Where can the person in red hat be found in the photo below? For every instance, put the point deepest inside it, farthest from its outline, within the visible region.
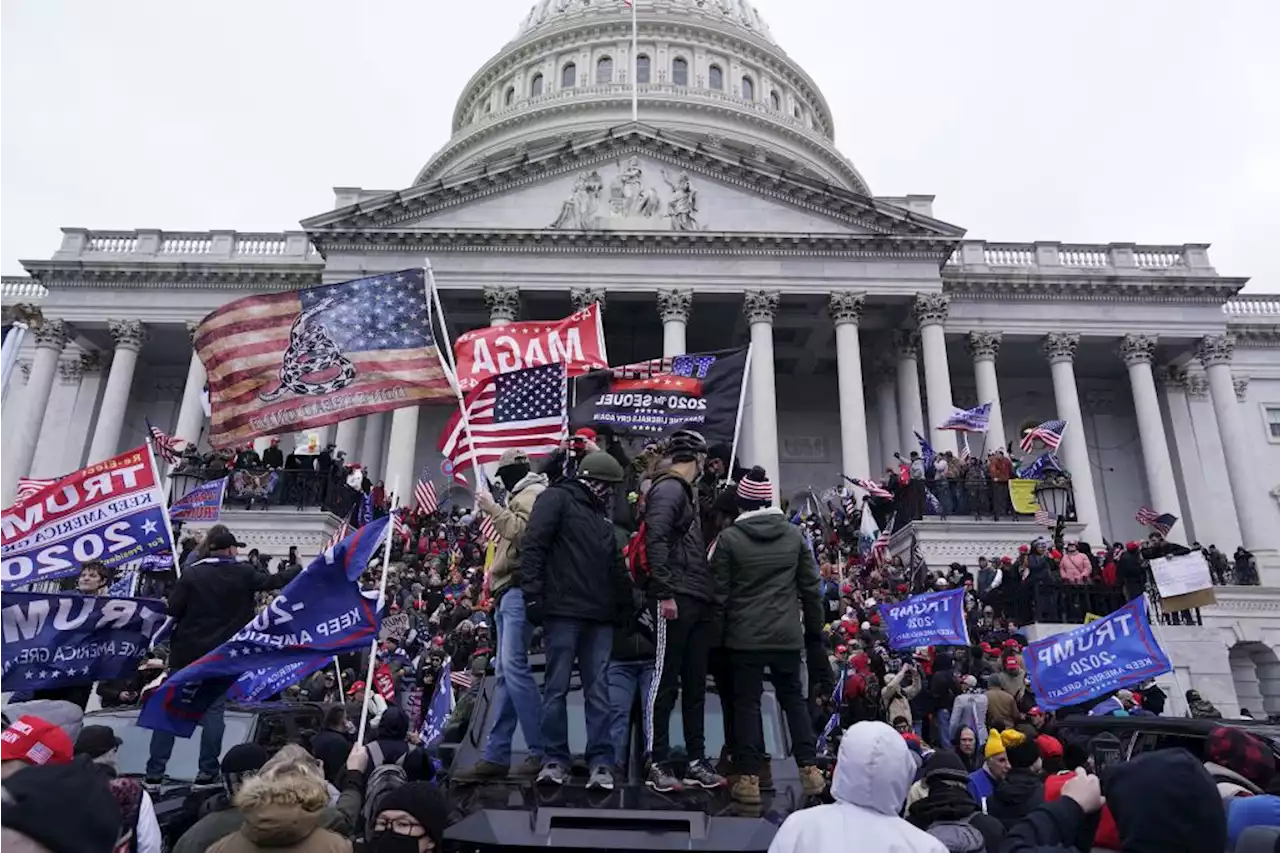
(30, 742)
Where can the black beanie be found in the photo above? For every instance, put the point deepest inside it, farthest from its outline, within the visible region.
(244, 758)
(40, 799)
(422, 800)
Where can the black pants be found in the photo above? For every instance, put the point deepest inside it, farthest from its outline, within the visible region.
(748, 683)
(684, 645)
(722, 673)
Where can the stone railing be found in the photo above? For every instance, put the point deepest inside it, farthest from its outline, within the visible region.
(1253, 305)
(1048, 257)
(21, 289)
(83, 244)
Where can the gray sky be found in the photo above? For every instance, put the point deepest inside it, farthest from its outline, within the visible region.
(1090, 121)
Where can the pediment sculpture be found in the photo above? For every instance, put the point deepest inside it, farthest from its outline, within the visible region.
(629, 205)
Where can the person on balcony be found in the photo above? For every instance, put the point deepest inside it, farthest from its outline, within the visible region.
(1000, 467)
(915, 487)
(273, 456)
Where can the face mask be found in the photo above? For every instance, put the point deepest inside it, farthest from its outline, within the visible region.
(388, 842)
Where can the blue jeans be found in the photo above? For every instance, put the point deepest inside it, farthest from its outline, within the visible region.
(590, 643)
(212, 726)
(517, 694)
(625, 678)
(942, 721)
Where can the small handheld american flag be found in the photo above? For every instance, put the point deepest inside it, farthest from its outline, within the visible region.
(424, 493)
(1049, 432)
(488, 532)
(1161, 523)
(166, 446)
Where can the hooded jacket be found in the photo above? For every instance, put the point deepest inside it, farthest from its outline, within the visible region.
(762, 566)
(870, 783)
(673, 541)
(282, 812)
(510, 522)
(1015, 795)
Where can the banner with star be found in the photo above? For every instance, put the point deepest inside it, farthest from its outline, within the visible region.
(112, 512)
(64, 639)
(320, 613)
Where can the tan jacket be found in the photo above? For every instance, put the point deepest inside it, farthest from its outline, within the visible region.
(896, 698)
(510, 522)
(1002, 707)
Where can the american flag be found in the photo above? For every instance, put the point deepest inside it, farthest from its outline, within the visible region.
(462, 680)
(524, 410)
(166, 446)
(343, 531)
(28, 486)
(1043, 518)
(880, 548)
(362, 346)
(1160, 522)
(488, 533)
(1049, 432)
(872, 488)
(424, 494)
(969, 420)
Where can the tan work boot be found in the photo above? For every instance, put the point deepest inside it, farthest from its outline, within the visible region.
(812, 780)
(746, 790)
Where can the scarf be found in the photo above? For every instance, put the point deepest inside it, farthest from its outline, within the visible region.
(601, 491)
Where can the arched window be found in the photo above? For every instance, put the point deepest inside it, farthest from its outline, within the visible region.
(604, 69)
(509, 98)
(748, 89)
(715, 77)
(642, 69)
(568, 76)
(796, 112)
(775, 101)
(679, 72)
(535, 86)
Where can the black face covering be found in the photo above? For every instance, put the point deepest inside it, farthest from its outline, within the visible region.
(512, 474)
(389, 842)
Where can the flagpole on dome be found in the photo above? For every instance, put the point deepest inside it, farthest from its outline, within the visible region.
(381, 604)
(433, 293)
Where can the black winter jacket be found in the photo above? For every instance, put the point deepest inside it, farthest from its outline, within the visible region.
(677, 554)
(571, 565)
(213, 600)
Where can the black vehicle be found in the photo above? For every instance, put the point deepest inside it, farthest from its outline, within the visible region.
(518, 815)
(1138, 734)
(177, 804)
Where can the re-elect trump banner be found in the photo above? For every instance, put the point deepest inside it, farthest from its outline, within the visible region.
(112, 511)
(57, 640)
(932, 619)
(319, 614)
(577, 341)
(1118, 650)
(203, 503)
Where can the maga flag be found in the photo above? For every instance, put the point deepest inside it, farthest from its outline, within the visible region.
(285, 362)
(700, 391)
(577, 341)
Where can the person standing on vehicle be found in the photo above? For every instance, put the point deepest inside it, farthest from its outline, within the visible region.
(680, 580)
(763, 570)
(212, 600)
(575, 585)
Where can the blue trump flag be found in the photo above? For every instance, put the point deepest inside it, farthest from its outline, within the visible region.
(203, 503)
(1118, 650)
(440, 708)
(969, 420)
(61, 639)
(932, 619)
(322, 612)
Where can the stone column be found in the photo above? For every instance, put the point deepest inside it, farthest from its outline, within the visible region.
(910, 410)
(983, 348)
(931, 313)
(84, 413)
(886, 413)
(50, 338)
(760, 307)
(674, 306)
(1137, 352)
(348, 438)
(129, 336)
(191, 419)
(50, 455)
(581, 297)
(1213, 463)
(403, 450)
(1060, 349)
(375, 428)
(1215, 354)
(503, 304)
(846, 312)
(1198, 523)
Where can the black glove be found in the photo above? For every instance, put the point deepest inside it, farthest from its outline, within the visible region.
(533, 611)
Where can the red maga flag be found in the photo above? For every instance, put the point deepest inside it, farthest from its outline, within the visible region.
(577, 341)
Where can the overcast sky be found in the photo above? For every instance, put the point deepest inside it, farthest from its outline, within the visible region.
(1090, 121)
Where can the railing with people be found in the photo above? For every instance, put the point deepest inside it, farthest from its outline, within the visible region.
(261, 488)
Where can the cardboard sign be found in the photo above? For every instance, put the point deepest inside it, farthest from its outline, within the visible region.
(1183, 582)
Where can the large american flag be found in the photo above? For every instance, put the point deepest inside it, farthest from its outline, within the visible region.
(28, 486)
(424, 494)
(166, 446)
(872, 488)
(524, 410)
(1160, 522)
(365, 346)
(1049, 432)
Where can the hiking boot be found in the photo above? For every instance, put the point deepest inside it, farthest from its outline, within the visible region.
(152, 784)
(601, 777)
(746, 790)
(206, 778)
(483, 770)
(812, 780)
(553, 774)
(528, 769)
(701, 775)
(662, 779)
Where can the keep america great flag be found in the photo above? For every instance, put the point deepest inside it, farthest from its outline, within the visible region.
(285, 362)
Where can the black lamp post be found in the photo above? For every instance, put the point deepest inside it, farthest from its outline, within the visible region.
(1053, 493)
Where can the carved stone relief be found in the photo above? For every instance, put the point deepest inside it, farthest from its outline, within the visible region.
(632, 202)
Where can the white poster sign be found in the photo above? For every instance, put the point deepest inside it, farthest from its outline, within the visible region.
(1181, 575)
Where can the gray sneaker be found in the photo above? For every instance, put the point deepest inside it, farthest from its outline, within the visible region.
(553, 774)
(601, 777)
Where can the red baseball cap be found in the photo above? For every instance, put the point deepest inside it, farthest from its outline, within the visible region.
(36, 741)
(586, 432)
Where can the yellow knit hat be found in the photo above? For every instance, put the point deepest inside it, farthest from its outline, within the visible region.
(995, 746)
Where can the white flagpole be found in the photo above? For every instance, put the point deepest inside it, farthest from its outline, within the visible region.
(635, 66)
(737, 424)
(452, 368)
(338, 671)
(168, 525)
(381, 607)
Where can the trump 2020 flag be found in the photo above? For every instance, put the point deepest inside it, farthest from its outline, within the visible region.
(287, 362)
(932, 619)
(319, 614)
(203, 503)
(969, 420)
(440, 708)
(1118, 650)
(112, 511)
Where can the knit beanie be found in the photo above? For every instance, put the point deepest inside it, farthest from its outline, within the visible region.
(422, 800)
(995, 746)
(1022, 750)
(38, 800)
(754, 490)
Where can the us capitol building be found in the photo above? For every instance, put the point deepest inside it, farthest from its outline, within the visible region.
(725, 214)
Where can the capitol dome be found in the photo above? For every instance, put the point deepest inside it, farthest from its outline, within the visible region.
(709, 71)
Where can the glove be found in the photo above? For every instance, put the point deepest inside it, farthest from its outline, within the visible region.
(533, 611)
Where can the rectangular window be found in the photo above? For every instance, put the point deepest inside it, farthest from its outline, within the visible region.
(1271, 421)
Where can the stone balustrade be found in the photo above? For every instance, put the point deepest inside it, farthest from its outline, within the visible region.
(1069, 258)
(1253, 305)
(15, 289)
(83, 244)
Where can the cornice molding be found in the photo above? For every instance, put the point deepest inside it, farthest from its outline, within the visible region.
(135, 274)
(1034, 287)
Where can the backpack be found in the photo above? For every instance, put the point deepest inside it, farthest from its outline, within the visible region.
(636, 554)
(383, 779)
(958, 836)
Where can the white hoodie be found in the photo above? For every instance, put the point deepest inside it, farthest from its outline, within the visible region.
(873, 773)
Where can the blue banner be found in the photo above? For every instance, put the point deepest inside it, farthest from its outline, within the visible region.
(321, 613)
(1118, 650)
(440, 708)
(203, 503)
(932, 619)
(61, 639)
